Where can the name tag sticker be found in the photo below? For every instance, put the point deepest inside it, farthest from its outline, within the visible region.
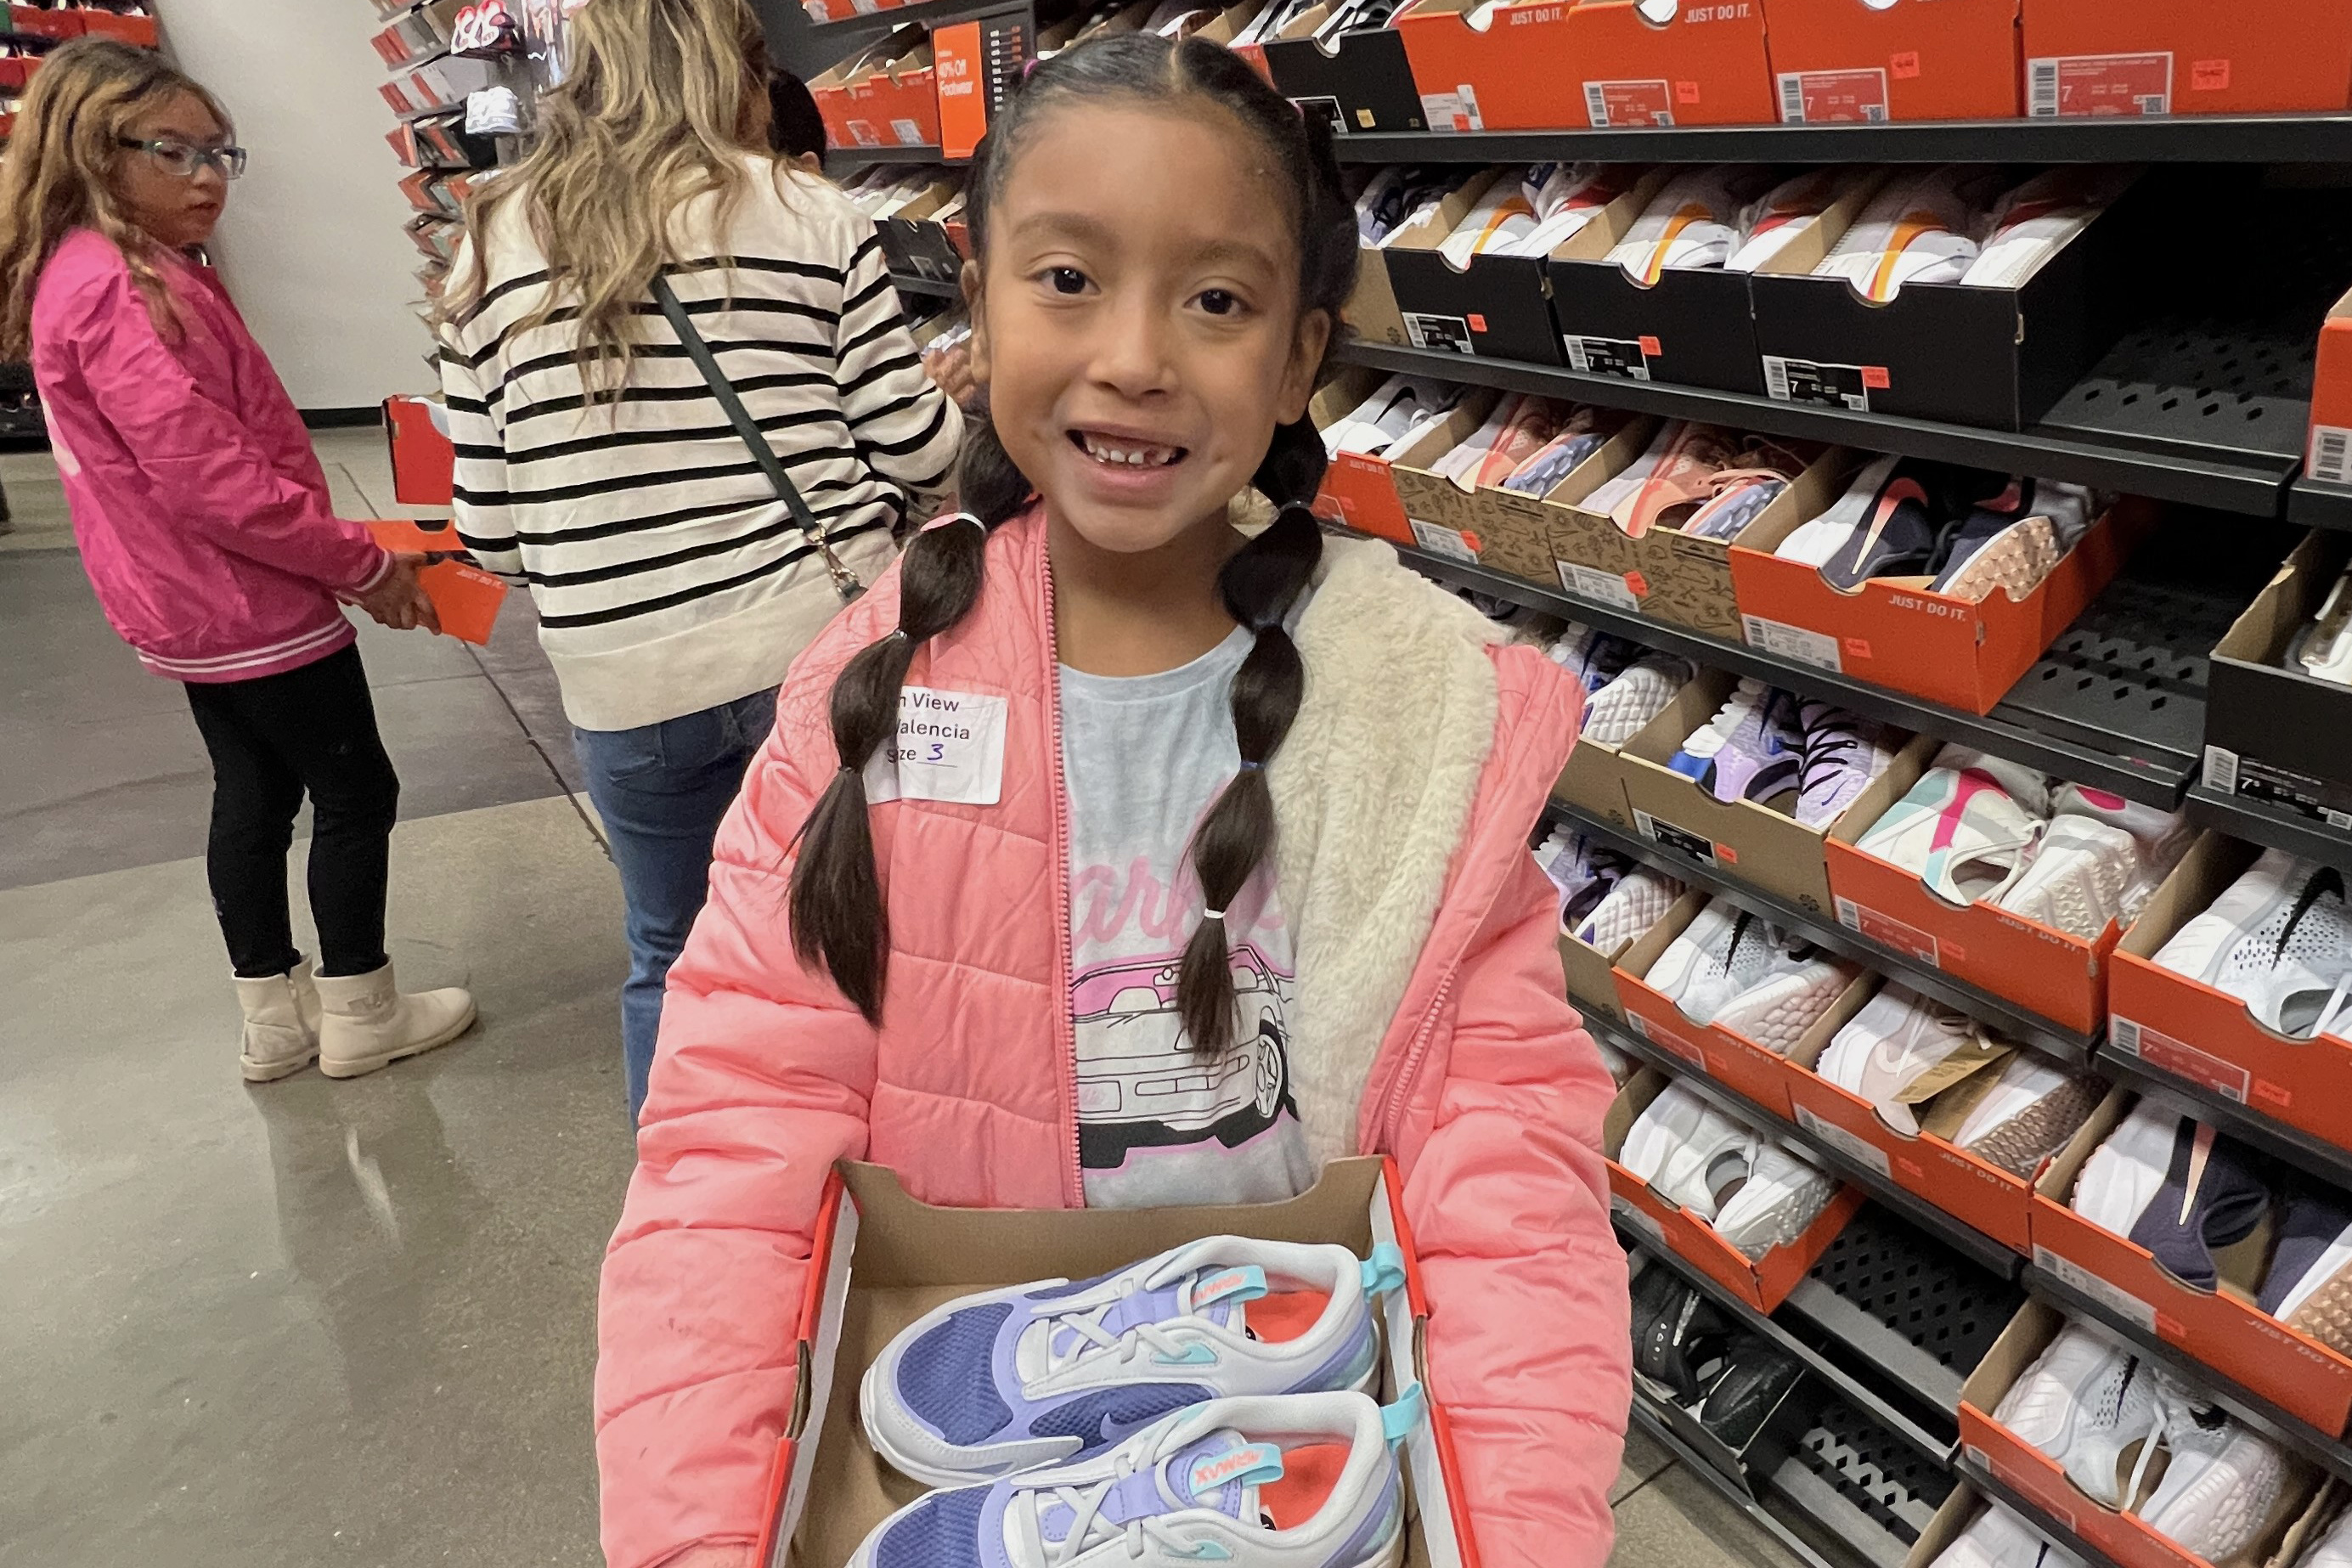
(949, 747)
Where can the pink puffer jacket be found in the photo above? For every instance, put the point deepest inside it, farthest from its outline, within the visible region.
(1482, 1083)
(198, 503)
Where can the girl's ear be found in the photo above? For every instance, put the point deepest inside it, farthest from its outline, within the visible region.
(1299, 374)
(973, 304)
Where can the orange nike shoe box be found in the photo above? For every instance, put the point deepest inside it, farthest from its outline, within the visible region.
(2329, 455)
(2061, 977)
(1731, 1060)
(139, 30)
(2043, 1481)
(1357, 491)
(1835, 61)
(1980, 1194)
(2221, 1328)
(1541, 65)
(36, 23)
(1763, 1283)
(1895, 632)
(897, 104)
(2185, 57)
(2193, 1031)
(423, 462)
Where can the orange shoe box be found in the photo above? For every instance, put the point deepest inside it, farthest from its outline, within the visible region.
(1733, 1060)
(1764, 1283)
(423, 462)
(1502, 530)
(2330, 453)
(34, 22)
(1706, 67)
(2185, 57)
(1837, 60)
(139, 30)
(2223, 1328)
(897, 104)
(1894, 633)
(1357, 491)
(1979, 1194)
(2178, 1025)
(2061, 977)
(2043, 1481)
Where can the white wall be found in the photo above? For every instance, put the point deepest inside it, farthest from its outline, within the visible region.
(311, 246)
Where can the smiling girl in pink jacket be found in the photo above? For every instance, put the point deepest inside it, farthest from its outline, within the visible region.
(1089, 776)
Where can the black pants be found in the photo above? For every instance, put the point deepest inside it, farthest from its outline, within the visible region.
(309, 730)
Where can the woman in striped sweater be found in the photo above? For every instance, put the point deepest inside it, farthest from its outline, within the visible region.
(596, 463)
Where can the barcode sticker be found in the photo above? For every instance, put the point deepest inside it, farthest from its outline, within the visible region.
(2041, 89)
(1817, 381)
(1609, 356)
(1596, 104)
(2159, 1049)
(910, 133)
(1449, 334)
(1858, 1149)
(1471, 119)
(1440, 110)
(1780, 638)
(1826, 98)
(863, 133)
(2331, 454)
(1776, 378)
(2113, 1297)
(1602, 587)
(1439, 539)
(1634, 103)
(2099, 84)
(1792, 98)
(2221, 770)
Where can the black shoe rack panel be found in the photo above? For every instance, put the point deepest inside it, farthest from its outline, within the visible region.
(1920, 1314)
(1857, 1481)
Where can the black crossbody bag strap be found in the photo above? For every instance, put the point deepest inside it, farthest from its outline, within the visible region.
(845, 581)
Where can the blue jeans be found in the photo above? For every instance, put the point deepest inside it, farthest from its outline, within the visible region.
(661, 790)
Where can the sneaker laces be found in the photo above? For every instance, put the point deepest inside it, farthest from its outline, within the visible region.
(1094, 1340)
(2325, 879)
(1823, 745)
(1090, 1530)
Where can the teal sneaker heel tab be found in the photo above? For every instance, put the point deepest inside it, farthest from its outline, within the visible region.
(1410, 1409)
(1384, 1270)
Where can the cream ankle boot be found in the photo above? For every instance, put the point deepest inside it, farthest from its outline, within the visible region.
(368, 1023)
(281, 1024)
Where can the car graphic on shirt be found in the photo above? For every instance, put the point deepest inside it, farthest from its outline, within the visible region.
(1143, 1085)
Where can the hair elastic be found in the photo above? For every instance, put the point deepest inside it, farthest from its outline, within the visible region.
(955, 517)
(1249, 767)
(901, 632)
(1216, 915)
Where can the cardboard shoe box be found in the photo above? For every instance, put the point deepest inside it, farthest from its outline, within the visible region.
(423, 462)
(897, 102)
(2042, 1480)
(1358, 490)
(1733, 1060)
(1539, 66)
(1767, 849)
(2222, 1328)
(1687, 579)
(1926, 1163)
(1376, 311)
(1763, 1283)
(2194, 1031)
(1895, 632)
(1954, 351)
(1855, 60)
(2185, 57)
(2061, 977)
(1504, 530)
(881, 1260)
(2275, 734)
(914, 242)
(2328, 451)
(1594, 782)
(1360, 81)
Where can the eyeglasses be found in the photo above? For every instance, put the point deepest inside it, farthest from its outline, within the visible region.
(178, 159)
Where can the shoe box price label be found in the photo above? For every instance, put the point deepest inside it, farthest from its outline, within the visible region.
(910, 134)
(2062, 85)
(1622, 357)
(1659, 831)
(1782, 640)
(1448, 334)
(1440, 539)
(1853, 1145)
(1667, 1041)
(2108, 1294)
(2330, 459)
(2181, 1058)
(1601, 587)
(1888, 931)
(1455, 110)
(1820, 98)
(2323, 800)
(1829, 385)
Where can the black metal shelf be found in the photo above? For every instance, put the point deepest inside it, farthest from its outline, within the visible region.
(2316, 504)
(2013, 1020)
(2192, 139)
(1660, 1432)
(2057, 1530)
(2154, 777)
(907, 283)
(1847, 1387)
(2294, 1146)
(2245, 482)
(936, 15)
(1962, 1239)
(859, 157)
(2288, 1431)
(2273, 828)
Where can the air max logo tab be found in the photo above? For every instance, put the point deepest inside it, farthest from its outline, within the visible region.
(1256, 1465)
(1246, 1284)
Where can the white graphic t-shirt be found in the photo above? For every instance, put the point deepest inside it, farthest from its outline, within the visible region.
(1143, 758)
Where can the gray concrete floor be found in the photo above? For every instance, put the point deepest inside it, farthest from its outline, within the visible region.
(314, 1323)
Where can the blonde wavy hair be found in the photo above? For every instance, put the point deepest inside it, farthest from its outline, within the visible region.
(655, 111)
(59, 171)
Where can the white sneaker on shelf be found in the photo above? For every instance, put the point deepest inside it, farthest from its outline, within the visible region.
(1997, 1538)
(1890, 1044)
(1783, 1194)
(2075, 881)
(2220, 1481)
(2126, 1172)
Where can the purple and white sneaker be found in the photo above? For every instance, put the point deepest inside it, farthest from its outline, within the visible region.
(1841, 756)
(1288, 1481)
(1046, 1374)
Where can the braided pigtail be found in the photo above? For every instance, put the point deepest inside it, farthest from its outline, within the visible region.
(838, 917)
(1261, 584)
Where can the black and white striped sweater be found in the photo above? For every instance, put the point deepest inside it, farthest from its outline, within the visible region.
(668, 577)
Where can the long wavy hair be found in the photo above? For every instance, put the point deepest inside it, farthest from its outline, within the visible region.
(59, 171)
(650, 116)
(838, 917)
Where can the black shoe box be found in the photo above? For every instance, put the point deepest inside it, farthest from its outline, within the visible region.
(1363, 83)
(1691, 327)
(919, 247)
(2274, 734)
(1998, 358)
